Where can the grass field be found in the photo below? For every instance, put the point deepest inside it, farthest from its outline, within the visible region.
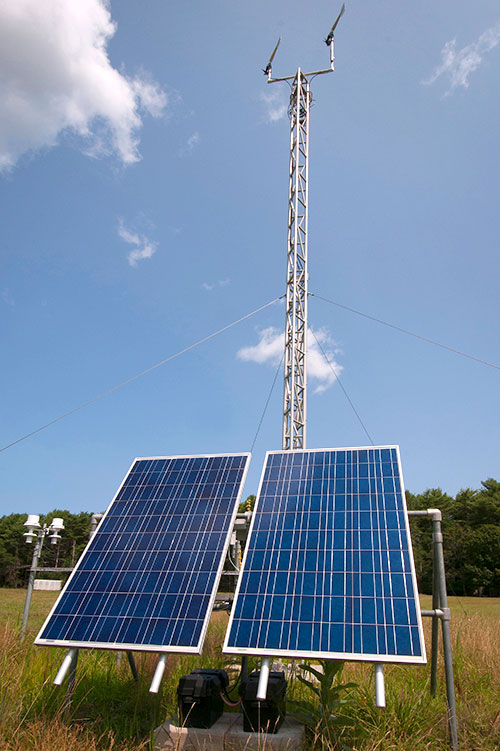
(110, 711)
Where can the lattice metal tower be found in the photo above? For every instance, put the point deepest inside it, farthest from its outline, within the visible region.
(295, 357)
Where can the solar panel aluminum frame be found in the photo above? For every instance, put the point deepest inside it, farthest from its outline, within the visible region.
(158, 648)
(318, 655)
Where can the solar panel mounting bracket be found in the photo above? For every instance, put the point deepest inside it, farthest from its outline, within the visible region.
(158, 675)
(265, 667)
(379, 685)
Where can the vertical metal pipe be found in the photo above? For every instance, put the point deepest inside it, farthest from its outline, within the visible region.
(435, 623)
(31, 581)
(437, 539)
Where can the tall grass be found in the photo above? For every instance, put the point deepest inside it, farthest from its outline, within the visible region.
(110, 711)
(412, 719)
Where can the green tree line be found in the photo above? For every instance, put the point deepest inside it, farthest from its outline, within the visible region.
(471, 534)
(471, 529)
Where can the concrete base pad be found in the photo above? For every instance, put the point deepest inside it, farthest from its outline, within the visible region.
(227, 734)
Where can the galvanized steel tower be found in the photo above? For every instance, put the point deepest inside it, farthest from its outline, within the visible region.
(295, 358)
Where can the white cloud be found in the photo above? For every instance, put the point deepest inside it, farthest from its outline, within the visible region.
(56, 78)
(457, 66)
(270, 349)
(276, 106)
(211, 286)
(191, 143)
(143, 248)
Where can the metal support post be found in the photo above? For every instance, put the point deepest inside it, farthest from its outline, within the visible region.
(70, 686)
(440, 611)
(437, 542)
(435, 625)
(72, 655)
(37, 533)
(31, 581)
(160, 669)
(133, 666)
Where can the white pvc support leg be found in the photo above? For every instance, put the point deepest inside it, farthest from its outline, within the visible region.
(160, 669)
(66, 664)
(379, 685)
(263, 678)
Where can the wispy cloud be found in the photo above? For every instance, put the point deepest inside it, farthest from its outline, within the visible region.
(458, 65)
(275, 105)
(269, 349)
(7, 297)
(209, 286)
(191, 143)
(56, 78)
(142, 246)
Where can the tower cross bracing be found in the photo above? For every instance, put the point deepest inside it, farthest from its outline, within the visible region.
(295, 368)
(295, 355)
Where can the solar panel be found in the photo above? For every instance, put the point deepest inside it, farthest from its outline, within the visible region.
(148, 578)
(328, 569)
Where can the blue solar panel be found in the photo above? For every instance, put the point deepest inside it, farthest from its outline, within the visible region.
(148, 578)
(328, 568)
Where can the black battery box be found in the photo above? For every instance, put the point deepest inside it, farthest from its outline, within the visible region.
(199, 698)
(263, 716)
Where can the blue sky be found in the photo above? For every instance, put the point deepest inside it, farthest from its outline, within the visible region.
(143, 193)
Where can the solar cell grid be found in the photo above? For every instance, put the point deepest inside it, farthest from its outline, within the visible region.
(148, 577)
(328, 568)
